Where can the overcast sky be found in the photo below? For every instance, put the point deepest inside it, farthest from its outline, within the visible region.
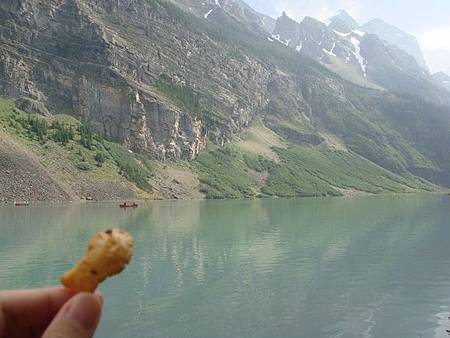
(428, 20)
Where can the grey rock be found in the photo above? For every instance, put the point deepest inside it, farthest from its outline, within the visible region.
(395, 36)
(357, 56)
(70, 56)
(442, 79)
(343, 22)
(32, 106)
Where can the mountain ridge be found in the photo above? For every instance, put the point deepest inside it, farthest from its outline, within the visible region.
(357, 56)
(342, 22)
(443, 79)
(395, 36)
(177, 87)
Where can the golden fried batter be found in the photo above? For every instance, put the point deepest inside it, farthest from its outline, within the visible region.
(108, 253)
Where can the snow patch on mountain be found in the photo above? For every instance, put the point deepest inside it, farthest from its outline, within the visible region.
(207, 14)
(331, 51)
(344, 35)
(284, 42)
(357, 45)
(358, 32)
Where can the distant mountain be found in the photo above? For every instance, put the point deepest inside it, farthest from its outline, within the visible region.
(443, 79)
(396, 37)
(362, 58)
(342, 22)
(339, 51)
(203, 82)
(235, 8)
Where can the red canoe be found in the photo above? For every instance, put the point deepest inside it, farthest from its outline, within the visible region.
(21, 204)
(126, 206)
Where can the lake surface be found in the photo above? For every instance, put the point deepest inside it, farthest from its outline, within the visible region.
(342, 267)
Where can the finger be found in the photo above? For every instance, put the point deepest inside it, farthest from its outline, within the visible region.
(26, 308)
(78, 318)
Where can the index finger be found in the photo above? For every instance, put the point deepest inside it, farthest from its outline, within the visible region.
(25, 308)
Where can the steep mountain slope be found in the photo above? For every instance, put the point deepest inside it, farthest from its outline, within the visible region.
(169, 84)
(47, 159)
(235, 8)
(56, 158)
(342, 22)
(24, 178)
(395, 36)
(362, 58)
(443, 79)
(68, 55)
(339, 51)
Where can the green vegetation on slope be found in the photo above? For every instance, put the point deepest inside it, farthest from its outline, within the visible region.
(184, 97)
(136, 171)
(384, 128)
(224, 173)
(300, 172)
(305, 171)
(189, 100)
(88, 152)
(429, 133)
(364, 120)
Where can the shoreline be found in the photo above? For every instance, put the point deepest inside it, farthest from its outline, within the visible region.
(93, 202)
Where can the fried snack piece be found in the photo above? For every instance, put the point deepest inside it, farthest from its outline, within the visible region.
(108, 253)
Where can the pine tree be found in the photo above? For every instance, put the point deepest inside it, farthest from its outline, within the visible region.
(87, 139)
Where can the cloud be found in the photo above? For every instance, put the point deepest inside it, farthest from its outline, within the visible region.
(436, 46)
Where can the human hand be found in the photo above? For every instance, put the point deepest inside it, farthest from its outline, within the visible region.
(49, 313)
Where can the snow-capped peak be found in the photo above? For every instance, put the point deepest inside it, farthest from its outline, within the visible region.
(342, 14)
(342, 22)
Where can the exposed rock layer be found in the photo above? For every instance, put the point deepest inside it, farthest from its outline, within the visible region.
(63, 54)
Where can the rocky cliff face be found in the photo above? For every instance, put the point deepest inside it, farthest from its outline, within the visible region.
(342, 22)
(66, 54)
(235, 8)
(395, 36)
(102, 62)
(442, 79)
(163, 77)
(363, 58)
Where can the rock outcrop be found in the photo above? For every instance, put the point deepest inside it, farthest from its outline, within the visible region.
(162, 77)
(398, 38)
(65, 54)
(23, 178)
(359, 56)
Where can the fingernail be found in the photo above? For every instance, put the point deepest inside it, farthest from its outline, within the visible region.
(100, 297)
(85, 309)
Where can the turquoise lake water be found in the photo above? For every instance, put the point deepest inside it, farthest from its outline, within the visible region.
(312, 268)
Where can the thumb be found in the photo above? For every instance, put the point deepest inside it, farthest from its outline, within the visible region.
(78, 318)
